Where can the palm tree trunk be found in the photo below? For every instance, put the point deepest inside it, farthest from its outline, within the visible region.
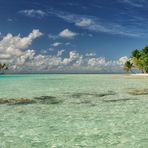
(145, 71)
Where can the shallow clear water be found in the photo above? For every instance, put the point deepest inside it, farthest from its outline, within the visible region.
(93, 111)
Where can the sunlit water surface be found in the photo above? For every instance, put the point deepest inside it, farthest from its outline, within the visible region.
(80, 111)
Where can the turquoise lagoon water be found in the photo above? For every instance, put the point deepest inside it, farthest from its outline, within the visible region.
(77, 111)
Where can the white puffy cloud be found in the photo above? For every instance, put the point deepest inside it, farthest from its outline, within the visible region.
(73, 56)
(123, 59)
(14, 50)
(14, 45)
(96, 61)
(66, 33)
(33, 13)
(17, 42)
(27, 55)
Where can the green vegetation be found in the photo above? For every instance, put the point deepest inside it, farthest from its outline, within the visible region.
(138, 60)
(3, 67)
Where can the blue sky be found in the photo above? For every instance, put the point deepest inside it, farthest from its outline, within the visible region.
(92, 30)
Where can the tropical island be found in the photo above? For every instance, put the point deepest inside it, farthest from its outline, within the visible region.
(138, 61)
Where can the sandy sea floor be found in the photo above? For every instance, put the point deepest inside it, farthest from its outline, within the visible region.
(73, 111)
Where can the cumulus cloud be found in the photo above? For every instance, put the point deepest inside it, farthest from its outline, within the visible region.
(66, 33)
(33, 13)
(14, 45)
(96, 61)
(123, 59)
(14, 50)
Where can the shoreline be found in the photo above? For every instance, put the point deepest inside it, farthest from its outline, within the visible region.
(140, 74)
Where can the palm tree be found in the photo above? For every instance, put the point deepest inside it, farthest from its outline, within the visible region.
(3, 67)
(138, 60)
(136, 53)
(128, 66)
(144, 59)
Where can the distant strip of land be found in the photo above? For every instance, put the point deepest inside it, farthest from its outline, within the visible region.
(140, 74)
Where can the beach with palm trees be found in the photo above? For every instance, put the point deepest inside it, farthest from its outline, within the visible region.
(138, 62)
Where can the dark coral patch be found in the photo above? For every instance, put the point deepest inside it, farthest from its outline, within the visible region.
(78, 95)
(48, 100)
(19, 101)
(138, 91)
(119, 100)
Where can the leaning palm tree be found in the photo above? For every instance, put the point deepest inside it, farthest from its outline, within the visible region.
(128, 66)
(3, 67)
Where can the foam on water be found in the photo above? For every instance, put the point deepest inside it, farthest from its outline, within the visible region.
(73, 111)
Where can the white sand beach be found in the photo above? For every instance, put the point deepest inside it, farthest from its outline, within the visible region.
(140, 74)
